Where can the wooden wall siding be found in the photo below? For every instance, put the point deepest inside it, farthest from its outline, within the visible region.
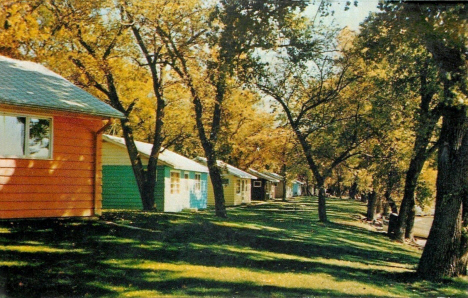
(259, 193)
(279, 190)
(61, 187)
(230, 196)
(116, 155)
(120, 190)
(160, 188)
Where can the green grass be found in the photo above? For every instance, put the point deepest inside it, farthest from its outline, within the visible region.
(269, 250)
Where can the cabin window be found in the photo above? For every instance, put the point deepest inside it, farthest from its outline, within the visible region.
(257, 183)
(175, 182)
(187, 181)
(238, 186)
(25, 136)
(197, 182)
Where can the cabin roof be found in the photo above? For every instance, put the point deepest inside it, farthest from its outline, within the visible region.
(29, 84)
(263, 176)
(230, 169)
(274, 176)
(280, 178)
(166, 156)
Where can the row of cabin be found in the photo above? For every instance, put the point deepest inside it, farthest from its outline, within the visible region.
(55, 161)
(182, 183)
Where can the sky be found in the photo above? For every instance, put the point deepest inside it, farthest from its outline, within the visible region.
(351, 18)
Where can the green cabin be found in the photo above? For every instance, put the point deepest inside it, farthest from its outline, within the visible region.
(181, 183)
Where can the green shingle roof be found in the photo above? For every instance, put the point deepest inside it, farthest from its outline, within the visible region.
(28, 84)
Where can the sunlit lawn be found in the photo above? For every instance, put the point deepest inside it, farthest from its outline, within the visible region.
(272, 250)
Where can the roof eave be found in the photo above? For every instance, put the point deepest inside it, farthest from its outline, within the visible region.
(117, 115)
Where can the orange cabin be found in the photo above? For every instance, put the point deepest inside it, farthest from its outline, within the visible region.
(50, 144)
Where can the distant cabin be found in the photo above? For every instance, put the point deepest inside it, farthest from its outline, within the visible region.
(264, 188)
(181, 183)
(293, 188)
(237, 184)
(297, 188)
(50, 142)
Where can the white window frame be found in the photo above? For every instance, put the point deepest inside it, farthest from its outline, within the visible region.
(238, 186)
(187, 181)
(26, 135)
(257, 183)
(197, 182)
(173, 185)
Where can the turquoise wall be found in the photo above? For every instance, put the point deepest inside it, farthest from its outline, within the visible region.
(199, 199)
(295, 189)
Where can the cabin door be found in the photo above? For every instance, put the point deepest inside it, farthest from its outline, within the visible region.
(244, 191)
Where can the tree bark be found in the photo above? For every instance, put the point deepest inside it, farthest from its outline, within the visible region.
(407, 204)
(285, 187)
(427, 121)
(353, 191)
(322, 204)
(149, 185)
(371, 205)
(208, 142)
(137, 166)
(364, 197)
(217, 182)
(135, 160)
(445, 253)
(391, 202)
(410, 224)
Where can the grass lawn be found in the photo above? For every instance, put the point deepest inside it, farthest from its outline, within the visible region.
(273, 249)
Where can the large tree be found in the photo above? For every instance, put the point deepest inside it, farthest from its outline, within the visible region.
(210, 51)
(445, 32)
(412, 81)
(89, 44)
(314, 81)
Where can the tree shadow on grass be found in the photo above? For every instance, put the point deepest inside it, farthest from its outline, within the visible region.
(63, 258)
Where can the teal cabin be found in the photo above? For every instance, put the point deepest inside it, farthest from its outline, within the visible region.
(297, 188)
(181, 183)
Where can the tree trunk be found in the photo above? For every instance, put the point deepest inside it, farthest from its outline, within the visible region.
(208, 143)
(307, 188)
(150, 185)
(410, 224)
(391, 202)
(364, 197)
(217, 182)
(285, 187)
(371, 205)
(135, 160)
(445, 253)
(407, 204)
(378, 205)
(353, 191)
(427, 121)
(322, 207)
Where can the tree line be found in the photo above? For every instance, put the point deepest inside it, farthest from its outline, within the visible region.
(261, 83)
